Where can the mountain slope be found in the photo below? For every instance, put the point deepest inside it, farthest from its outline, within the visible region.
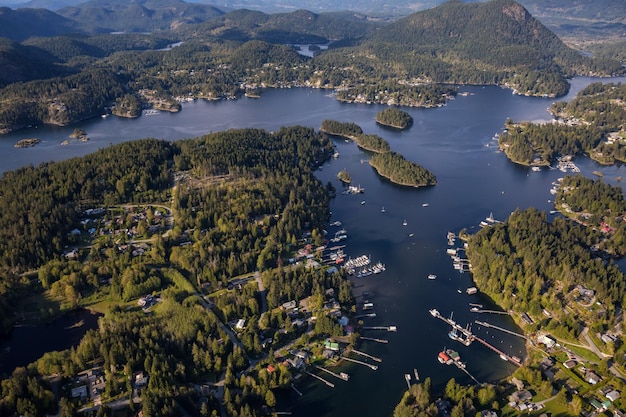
(25, 63)
(495, 42)
(21, 24)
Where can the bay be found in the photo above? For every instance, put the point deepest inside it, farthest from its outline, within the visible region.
(473, 180)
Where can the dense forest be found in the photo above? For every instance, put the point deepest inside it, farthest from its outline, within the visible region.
(528, 264)
(238, 201)
(394, 117)
(398, 170)
(592, 123)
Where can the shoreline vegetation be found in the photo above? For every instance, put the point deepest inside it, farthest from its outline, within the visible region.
(395, 118)
(390, 165)
(591, 124)
(27, 143)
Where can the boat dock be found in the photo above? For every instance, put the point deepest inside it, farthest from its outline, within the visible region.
(372, 367)
(478, 310)
(484, 323)
(374, 358)
(388, 328)
(371, 339)
(465, 336)
(341, 375)
(462, 368)
(330, 384)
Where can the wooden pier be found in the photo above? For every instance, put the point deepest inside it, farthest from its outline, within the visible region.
(388, 328)
(462, 368)
(330, 384)
(342, 376)
(371, 339)
(372, 367)
(477, 310)
(374, 358)
(484, 323)
(296, 390)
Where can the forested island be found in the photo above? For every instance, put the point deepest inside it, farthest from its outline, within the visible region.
(394, 117)
(387, 164)
(591, 123)
(398, 170)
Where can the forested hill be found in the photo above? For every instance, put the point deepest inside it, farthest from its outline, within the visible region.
(492, 42)
(24, 63)
(21, 24)
(138, 15)
(301, 26)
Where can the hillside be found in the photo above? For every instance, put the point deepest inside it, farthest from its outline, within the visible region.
(497, 42)
(25, 63)
(301, 26)
(21, 24)
(138, 15)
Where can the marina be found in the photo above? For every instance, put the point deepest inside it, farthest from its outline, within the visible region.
(464, 335)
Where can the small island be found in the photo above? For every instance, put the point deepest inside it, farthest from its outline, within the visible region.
(394, 117)
(398, 170)
(27, 143)
(79, 134)
(347, 130)
(344, 176)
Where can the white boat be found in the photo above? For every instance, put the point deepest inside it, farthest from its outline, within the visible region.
(404, 223)
(382, 210)
(362, 202)
(434, 312)
(432, 276)
(425, 205)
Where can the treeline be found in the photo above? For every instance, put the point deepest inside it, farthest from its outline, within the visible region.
(528, 264)
(373, 143)
(347, 129)
(459, 400)
(394, 117)
(540, 144)
(595, 204)
(401, 171)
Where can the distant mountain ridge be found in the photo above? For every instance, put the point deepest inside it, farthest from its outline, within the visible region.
(21, 24)
(138, 15)
(300, 26)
